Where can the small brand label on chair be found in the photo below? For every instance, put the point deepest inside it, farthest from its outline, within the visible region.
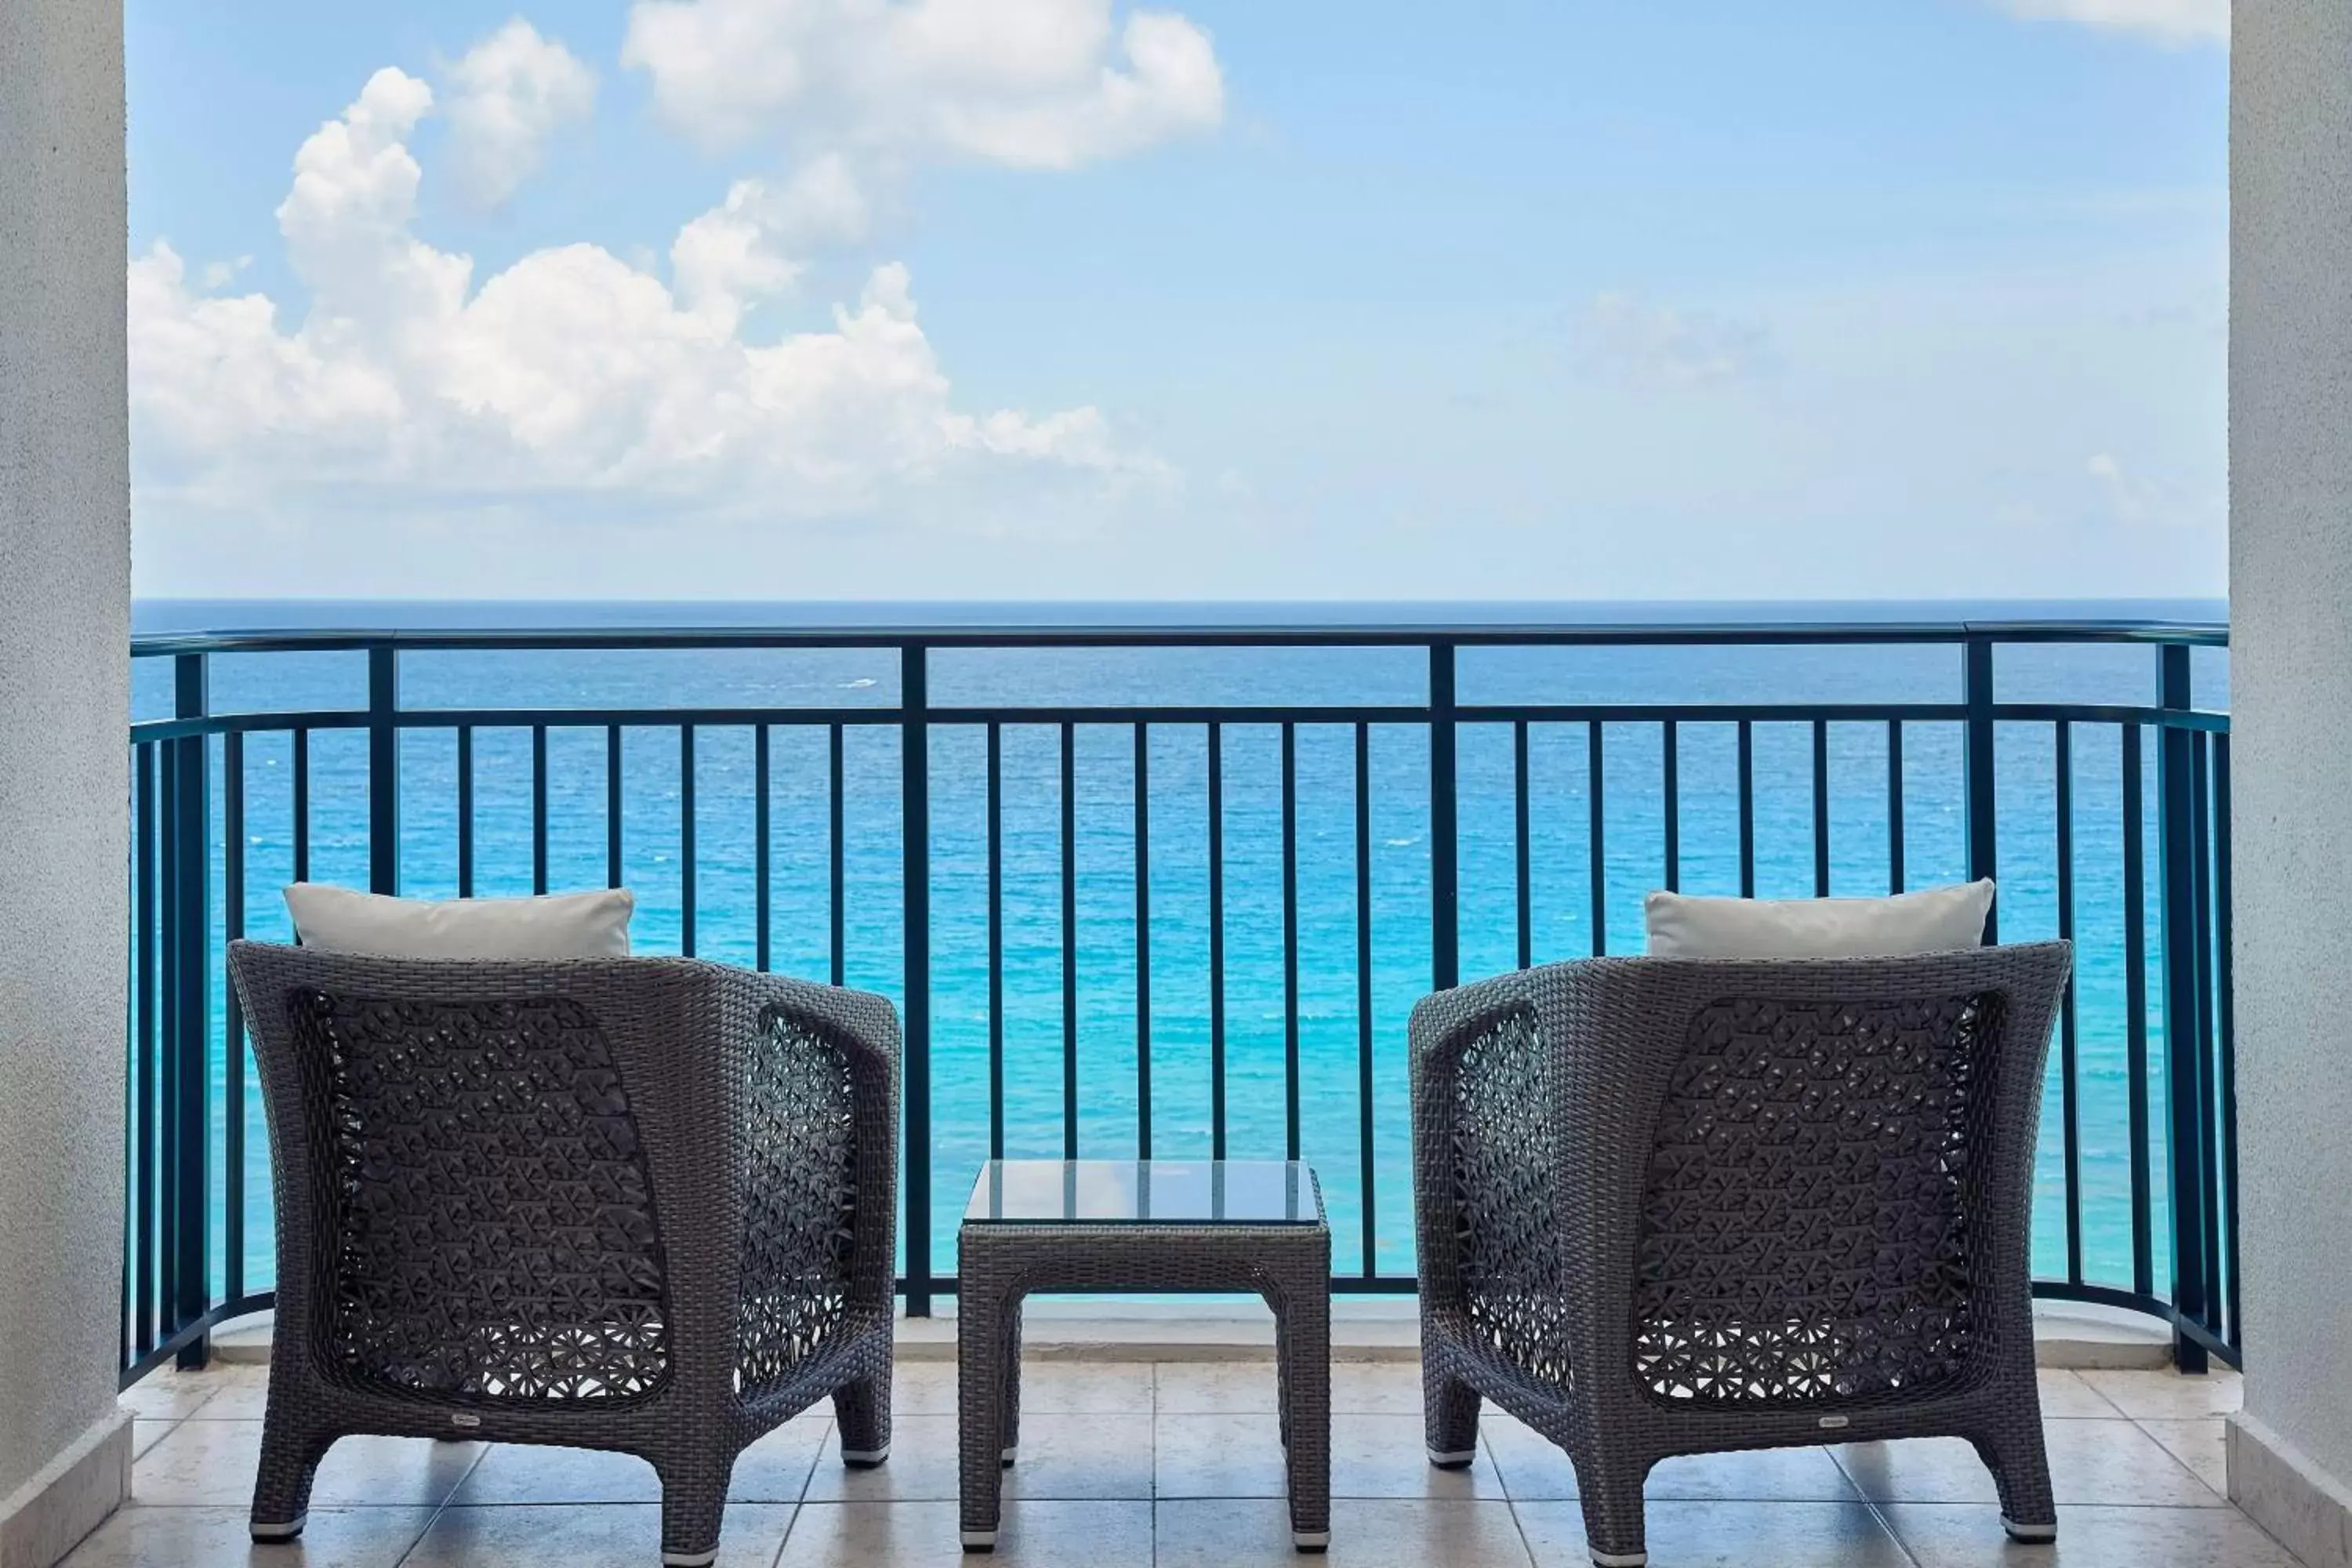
(461, 1419)
(1833, 1422)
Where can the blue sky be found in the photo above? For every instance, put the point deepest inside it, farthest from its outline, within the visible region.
(1243, 300)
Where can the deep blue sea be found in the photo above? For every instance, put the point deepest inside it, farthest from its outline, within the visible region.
(1560, 886)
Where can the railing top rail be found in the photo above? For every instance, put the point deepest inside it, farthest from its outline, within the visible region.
(1406, 634)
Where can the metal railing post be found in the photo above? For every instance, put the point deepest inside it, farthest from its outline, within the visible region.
(1976, 692)
(384, 769)
(2184, 1000)
(915, 789)
(190, 1013)
(1444, 866)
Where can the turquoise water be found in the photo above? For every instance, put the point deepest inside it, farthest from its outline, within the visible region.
(1561, 891)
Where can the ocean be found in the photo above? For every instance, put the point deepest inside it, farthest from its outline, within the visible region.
(1562, 903)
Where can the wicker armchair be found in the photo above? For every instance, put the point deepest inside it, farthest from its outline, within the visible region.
(1676, 1206)
(643, 1205)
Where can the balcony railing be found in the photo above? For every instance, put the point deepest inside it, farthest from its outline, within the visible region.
(1170, 891)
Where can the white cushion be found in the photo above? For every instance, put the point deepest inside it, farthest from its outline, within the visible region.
(564, 925)
(1936, 920)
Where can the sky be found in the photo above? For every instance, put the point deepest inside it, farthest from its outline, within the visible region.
(1532, 300)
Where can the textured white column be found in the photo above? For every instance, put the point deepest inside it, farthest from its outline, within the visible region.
(65, 597)
(2291, 606)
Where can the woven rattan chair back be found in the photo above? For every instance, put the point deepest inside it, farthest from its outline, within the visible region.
(1677, 1205)
(486, 1227)
(644, 1204)
(1823, 1179)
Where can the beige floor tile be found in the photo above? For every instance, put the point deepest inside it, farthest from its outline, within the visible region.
(1726, 1535)
(2142, 1493)
(1216, 1388)
(2092, 1462)
(1762, 1475)
(1388, 1456)
(2103, 1462)
(2065, 1397)
(2168, 1395)
(167, 1395)
(1370, 1533)
(214, 1461)
(1034, 1535)
(1082, 1457)
(239, 1394)
(923, 1388)
(1235, 1388)
(1228, 1455)
(1195, 1388)
(1204, 1455)
(1920, 1469)
(1533, 1468)
(532, 1473)
(1967, 1537)
(776, 1468)
(220, 1538)
(1085, 1387)
(588, 1535)
(1529, 1464)
(2201, 1444)
(1047, 1388)
(1375, 1388)
(921, 1467)
(1070, 1456)
(371, 1469)
(752, 1534)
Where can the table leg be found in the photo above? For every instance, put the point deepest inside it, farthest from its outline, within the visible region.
(981, 1394)
(1010, 1364)
(1281, 1376)
(1304, 1312)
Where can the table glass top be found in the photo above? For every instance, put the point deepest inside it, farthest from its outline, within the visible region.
(1144, 1191)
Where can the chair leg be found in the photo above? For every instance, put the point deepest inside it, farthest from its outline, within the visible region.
(2020, 1473)
(862, 1409)
(694, 1503)
(1450, 1410)
(1612, 1494)
(290, 1453)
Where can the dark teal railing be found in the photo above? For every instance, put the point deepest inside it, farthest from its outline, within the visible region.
(186, 1158)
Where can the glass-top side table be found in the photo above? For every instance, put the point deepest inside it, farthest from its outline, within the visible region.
(1131, 1226)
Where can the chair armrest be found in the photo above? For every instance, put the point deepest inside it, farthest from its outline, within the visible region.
(816, 1107)
(1490, 1194)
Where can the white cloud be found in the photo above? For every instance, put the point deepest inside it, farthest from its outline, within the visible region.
(508, 96)
(1627, 336)
(2171, 21)
(748, 248)
(2129, 499)
(727, 261)
(570, 373)
(858, 92)
(1030, 83)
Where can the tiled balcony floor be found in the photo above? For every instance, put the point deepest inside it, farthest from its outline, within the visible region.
(1132, 1465)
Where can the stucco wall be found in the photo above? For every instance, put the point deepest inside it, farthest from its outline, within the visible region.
(65, 595)
(2291, 681)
